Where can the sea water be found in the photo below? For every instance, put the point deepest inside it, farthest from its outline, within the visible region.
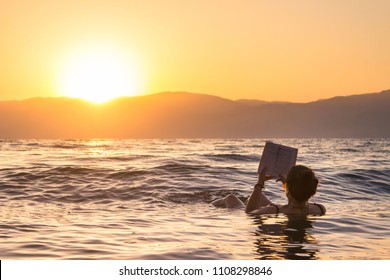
(150, 199)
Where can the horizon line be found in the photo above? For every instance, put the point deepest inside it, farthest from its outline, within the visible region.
(184, 92)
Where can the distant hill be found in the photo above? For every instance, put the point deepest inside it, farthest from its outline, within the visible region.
(189, 115)
(257, 103)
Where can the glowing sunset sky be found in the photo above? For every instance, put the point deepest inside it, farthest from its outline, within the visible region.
(299, 50)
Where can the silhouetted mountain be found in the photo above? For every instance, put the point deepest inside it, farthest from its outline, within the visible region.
(252, 102)
(257, 103)
(189, 115)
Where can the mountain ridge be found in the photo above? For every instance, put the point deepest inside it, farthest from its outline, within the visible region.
(193, 115)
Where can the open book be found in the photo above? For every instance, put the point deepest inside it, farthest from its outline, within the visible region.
(278, 159)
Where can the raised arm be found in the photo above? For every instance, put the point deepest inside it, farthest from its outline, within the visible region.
(258, 198)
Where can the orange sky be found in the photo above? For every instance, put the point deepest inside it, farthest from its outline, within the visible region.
(300, 50)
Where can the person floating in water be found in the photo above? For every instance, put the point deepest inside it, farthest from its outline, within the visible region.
(299, 186)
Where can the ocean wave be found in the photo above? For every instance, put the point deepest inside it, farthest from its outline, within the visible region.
(232, 157)
(151, 198)
(177, 167)
(128, 174)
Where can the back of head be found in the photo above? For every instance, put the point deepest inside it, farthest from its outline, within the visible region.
(301, 183)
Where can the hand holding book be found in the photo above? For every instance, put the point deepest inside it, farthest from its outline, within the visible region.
(262, 178)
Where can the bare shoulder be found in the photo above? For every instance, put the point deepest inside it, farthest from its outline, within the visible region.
(269, 209)
(317, 209)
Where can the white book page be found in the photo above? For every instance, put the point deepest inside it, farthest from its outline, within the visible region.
(278, 159)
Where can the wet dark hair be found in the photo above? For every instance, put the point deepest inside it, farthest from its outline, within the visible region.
(301, 183)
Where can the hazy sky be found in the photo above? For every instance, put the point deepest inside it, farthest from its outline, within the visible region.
(299, 50)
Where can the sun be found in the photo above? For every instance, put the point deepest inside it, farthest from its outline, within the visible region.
(99, 75)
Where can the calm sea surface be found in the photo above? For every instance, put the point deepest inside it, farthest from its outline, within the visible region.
(150, 199)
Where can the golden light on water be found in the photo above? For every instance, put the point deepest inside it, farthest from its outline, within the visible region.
(99, 75)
